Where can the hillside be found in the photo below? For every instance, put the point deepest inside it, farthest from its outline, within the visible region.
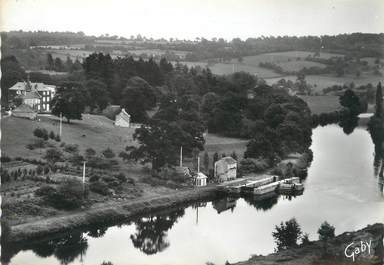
(97, 132)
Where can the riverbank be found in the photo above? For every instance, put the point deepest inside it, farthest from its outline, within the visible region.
(106, 213)
(313, 253)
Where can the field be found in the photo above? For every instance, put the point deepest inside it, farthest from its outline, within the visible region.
(97, 132)
(322, 104)
(289, 61)
(319, 82)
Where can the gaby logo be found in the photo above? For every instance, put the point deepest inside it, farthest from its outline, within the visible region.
(354, 249)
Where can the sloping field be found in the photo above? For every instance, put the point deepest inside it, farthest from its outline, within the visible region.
(97, 132)
(319, 82)
(322, 104)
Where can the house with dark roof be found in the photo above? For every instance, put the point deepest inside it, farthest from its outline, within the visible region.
(225, 169)
(37, 95)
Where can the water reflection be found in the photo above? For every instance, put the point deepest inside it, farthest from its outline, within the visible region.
(151, 232)
(349, 123)
(224, 204)
(264, 202)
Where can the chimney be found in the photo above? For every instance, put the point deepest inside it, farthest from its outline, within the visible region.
(198, 164)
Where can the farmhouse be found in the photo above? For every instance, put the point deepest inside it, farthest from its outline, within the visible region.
(225, 169)
(36, 95)
(123, 119)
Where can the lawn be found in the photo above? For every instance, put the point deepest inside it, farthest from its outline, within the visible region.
(221, 144)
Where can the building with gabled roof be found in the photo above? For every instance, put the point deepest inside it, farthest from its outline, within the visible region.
(123, 119)
(225, 169)
(37, 95)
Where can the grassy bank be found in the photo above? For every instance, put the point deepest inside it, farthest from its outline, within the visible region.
(108, 212)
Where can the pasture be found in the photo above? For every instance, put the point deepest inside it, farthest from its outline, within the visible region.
(97, 132)
(319, 82)
(322, 104)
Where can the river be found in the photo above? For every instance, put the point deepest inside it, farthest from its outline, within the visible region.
(342, 188)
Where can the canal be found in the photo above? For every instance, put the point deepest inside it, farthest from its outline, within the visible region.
(342, 187)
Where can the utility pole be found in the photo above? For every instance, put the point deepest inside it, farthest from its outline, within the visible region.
(61, 124)
(181, 156)
(84, 162)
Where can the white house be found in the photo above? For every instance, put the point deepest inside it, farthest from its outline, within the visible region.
(123, 119)
(225, 169)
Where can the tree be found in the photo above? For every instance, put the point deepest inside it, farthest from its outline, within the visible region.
(98, 94)
(69, 195)
(351, 101)
(206, 161)
(326, 232)
(259, 146)
(50, 62)
(53, 155)
(137, 98)
(287, 234)
(379, 101)
(69, 102)
(215, 158)
(12, 72)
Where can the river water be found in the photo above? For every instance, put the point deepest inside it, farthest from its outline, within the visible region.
(342, 188)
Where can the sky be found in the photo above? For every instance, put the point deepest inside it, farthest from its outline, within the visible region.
(188, 19)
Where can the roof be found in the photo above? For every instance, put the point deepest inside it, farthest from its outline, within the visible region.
(201, 176)
(23, 108)
(36, 86)
(228, 160)
(124, 115)
(31, 95)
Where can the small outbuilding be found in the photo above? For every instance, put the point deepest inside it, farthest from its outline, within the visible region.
(123, 119)
(201, 179)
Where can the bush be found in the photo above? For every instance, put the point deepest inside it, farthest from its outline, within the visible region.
(69, 195)
(57, 138)
(53, 155)
(41, 133)
(108, 153)
(90, 152)
(94, 178)
(52, 135)
(121, 177)
(5, 159)
(45, 190)
(100, 187)
(71, 148)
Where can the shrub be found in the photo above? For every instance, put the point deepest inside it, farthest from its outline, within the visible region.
(94, 178)
(5, 159)
(53, 155)
(41, 133)
(326, 231)
(71, 148)
(90, 152)
(46, 170)
(100, 187)
(39, 170)
(45, 190)
(69, 195)
(52, 135)
(121, 177)
(108, 153)
(57, 138)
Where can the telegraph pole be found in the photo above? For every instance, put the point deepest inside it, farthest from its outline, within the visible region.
(61, 124)
(181, 156)
(84, 162)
